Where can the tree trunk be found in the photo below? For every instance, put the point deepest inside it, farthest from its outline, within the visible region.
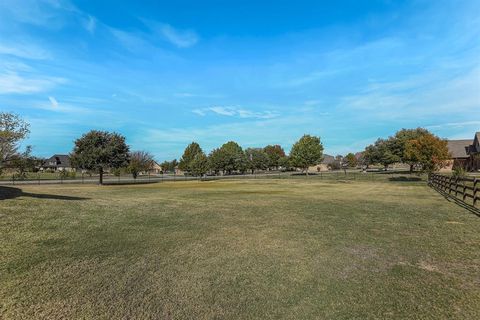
(306, 172)
(101, 176)
(411, 168)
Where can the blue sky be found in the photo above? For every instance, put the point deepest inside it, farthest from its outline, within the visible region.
(165, 73)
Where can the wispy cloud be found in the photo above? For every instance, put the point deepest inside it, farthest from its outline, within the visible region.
(235, 112)
(24, 50)
(180, 38)
(13, 83)
(90, 23)
(54, 102)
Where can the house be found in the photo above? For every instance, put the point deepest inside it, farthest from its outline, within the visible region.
(58, 162)
(324, 165)
(464, 154)
(156, 168)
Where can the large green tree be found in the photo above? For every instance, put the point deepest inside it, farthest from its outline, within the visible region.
(99, 151)
(140, 161)
(257, 159)
(188, 155)
(398, 144)
(274, 153)
(380, 153)
(228, 158)
(306, 152)
(199, 165)
(13, 129)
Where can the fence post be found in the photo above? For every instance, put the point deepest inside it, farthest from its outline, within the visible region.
(475, 191)
(456, 186)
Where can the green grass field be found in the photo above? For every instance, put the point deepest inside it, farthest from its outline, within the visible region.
(247, 249)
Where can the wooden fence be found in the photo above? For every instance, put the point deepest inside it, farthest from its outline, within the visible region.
(466, 189)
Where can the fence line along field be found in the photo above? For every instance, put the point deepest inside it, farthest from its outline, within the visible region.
(230, 249)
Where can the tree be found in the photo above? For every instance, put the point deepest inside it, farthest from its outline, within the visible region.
(257, 159)
(398, 144)
(228, 158)
(350, 160)
(100, 150)
(215, 160)
(284, 162)
(274, 153)
(24, 162)
(307, 151)
(428, 151)
(169, 166)
(188, 155)
(12, 130)
(140, 161)
(199, 165)
(380, 152)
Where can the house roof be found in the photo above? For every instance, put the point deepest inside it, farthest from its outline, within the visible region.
(459, 148)
(328, 159)
(61, 160)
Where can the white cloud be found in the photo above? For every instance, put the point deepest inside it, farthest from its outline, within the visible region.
(224, 111)
(235, 112)
(54, 102)
(12, 83)
(90, 23)
(180, 38)
(24, 50)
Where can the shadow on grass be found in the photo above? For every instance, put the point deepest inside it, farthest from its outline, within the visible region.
(451, 198)
(405, 179)
(11, 193)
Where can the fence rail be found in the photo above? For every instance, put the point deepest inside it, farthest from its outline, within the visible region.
(108, 179)
(466, 189)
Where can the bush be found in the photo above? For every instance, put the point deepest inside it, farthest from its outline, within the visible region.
(459, 172)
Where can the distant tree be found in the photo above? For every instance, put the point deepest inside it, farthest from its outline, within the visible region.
(215, 161)
(188, 155)
(428, 151)
(307, 151)
(350, 160)
(169, 166)
(140, 161)
(284, 162)
(24, 162)
(274, 153)
(228, 158)
(199, 165)
(380, 152)
(12, 130)
(257, 159)
(398, 144)
(99, 151)
(335, 165)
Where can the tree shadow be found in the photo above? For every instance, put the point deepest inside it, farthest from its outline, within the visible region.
(12, 193)
(405, 179)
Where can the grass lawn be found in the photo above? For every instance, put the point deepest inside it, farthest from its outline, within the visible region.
(263, 249)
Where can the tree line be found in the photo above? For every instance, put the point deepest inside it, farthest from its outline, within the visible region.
(230, 158)
(101, 151)
(419, 148)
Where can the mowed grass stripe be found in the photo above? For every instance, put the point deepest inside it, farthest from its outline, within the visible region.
(259, 249)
